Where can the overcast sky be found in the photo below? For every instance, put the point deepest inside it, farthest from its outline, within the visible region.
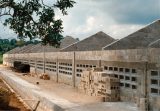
(117, 18)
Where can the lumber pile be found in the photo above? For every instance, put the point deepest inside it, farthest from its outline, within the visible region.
(96, 82)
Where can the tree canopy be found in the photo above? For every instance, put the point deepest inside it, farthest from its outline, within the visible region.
(6, 44)
(34, 18)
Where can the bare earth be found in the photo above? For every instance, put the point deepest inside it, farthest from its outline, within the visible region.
(62, 90)
(14, 103)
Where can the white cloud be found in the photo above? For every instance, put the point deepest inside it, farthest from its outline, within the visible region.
(119, 31)
(91, 16)
(114, 17)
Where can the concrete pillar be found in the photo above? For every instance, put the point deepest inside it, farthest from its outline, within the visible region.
(57, 70)
(14, 58)
(73, 69)
(36, 65)
(29, 59)
(44, 59)
(99, 63)
(144, 85)
(143, 104)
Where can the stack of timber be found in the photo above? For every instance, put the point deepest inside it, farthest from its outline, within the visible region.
(96, 82)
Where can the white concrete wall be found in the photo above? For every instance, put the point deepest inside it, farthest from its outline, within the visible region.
(134, 58)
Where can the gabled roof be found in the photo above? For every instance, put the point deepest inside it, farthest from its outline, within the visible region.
(39, 48)
(68, 40)
(139, 39)
(15, 50)
(94, 42)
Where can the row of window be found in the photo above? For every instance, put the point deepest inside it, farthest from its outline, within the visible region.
(32, 66)
(65, 68)
(65, 64)
(126, 70)
(51, 63)
(48, 69)
(154, 82)
(155, 91)
(65, 72)
(127, 85)
(154, 73)
(122, 77)
(79, 70)
(85, 65)
(51, 66)
(114, 87)
(78, 75)
(125, 81)
(32, 63)
(39, 61)
(40, 67)
(39, 64)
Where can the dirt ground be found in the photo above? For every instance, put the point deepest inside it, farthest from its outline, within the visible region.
(62, 90)
(14, 103)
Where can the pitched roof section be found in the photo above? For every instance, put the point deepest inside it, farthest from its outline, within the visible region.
(68, 40)
(139, 39)
(39, 48)
(155, 44)
(15, 50)
(94, 42)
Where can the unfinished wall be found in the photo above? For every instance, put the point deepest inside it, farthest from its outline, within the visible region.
(132, 67)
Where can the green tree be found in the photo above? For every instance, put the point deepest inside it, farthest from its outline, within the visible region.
(1, 41)
(1, 49)
(5, 41)
(13, 42)
(33, 18)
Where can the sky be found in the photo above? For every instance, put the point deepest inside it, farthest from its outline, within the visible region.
(117, 18)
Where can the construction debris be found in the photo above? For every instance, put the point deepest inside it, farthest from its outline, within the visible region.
(96, 82)
(44, 76)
